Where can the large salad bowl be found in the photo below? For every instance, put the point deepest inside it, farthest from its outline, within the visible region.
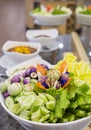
(83, 15)
(44, 17)
(51, 20)
(77, 124)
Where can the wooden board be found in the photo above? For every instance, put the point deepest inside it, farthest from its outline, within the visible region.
(78, 47)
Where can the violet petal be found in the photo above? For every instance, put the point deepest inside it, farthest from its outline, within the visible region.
(6, 94)
(63, 81)
(29, 71)
(45, 66)
(26, 80)
(15, 79)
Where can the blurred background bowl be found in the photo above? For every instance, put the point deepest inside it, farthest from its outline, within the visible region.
(47, 38)
(51, 19)
(20, 57)
(83, 19)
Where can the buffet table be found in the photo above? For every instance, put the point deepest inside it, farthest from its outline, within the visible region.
(71, 43)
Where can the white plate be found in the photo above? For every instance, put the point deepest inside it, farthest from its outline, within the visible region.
(7, 63)
(26, 64)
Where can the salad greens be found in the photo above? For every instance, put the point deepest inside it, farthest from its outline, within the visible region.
(49, 10)
(50, 95)
(86, 10)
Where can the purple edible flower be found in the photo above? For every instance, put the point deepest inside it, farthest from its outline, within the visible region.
(45, 85)
(67, 73)
(34, 75)
(58, 86)
(63, 81)
(64, 78)
(45, 66)
(26, 80)
(15, 79)
(33, 69)
(23, 74)
(6, 94)
(43, 79)
(29, 71)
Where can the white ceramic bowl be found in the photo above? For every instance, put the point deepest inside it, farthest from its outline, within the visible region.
(19, 56)
(51, 19)
(74, 125)
(83, 19)
(46, 37)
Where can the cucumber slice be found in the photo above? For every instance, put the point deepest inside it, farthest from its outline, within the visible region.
(25, 114)
(26, 101)
(38, 102)
(34, 109)
(15, 108)
(15, 89)
(44, 110)
(44, 118)
(50, 105)
(43, 97)
(36, 116)
(24, 93)
(9, 101)
(49, 97)
(4, 85)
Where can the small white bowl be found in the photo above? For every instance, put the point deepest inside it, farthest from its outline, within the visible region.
(47, 38)
(19, 57)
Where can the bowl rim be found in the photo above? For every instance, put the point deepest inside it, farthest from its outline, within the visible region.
(44, 31)
(36, 46)
(27, 63)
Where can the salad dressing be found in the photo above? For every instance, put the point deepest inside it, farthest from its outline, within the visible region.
(22, 49)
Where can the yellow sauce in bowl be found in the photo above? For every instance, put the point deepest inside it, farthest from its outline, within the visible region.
(22, 49)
